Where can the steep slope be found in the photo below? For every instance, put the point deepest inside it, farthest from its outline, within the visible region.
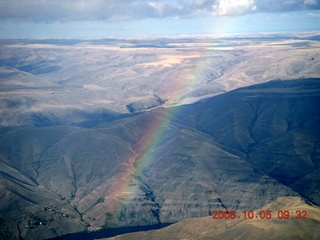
(274, 126)
(189, 174)
(101, 176)
(274, 228)
(30, 211)
(240, 150)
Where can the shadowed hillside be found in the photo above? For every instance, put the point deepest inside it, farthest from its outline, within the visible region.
(274, 125)
(240, 150)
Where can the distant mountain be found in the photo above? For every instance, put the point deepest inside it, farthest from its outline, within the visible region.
(46, 82)
(240, 150)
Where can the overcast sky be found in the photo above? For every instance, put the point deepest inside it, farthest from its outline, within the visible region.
(117, 18)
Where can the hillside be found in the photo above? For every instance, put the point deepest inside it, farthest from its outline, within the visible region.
(49, 82)
(275, 129)
(240, 150)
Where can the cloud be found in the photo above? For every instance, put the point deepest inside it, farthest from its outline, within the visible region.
(310, 2)
(53, 10)
(231, 7)
(286, 5)
(313, 15)
(115, 10)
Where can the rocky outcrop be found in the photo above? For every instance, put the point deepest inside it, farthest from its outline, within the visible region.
(145, 104)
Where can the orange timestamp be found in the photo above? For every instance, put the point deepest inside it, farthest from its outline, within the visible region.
(262, 214)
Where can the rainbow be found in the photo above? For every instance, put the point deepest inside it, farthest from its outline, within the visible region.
(156, 131)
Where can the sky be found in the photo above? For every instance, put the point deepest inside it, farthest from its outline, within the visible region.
(136, 18)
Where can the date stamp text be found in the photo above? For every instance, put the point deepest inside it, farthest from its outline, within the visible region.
(262, 214)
